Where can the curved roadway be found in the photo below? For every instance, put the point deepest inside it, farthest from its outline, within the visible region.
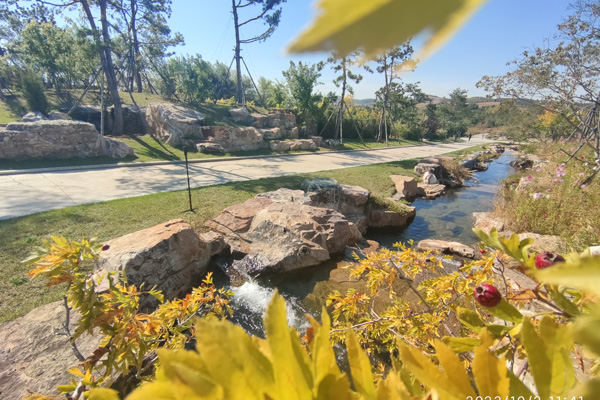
(30, 192)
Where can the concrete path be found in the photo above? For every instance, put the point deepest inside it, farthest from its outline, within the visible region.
(28, 193)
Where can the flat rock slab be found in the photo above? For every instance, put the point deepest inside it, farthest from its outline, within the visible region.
(34, 355)
(446, 247)
(430, 191)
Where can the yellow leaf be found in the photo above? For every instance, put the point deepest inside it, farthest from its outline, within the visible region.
(427, 372)
(392, 388)
(103, 394)
(76, 372)
(377, 25)
(582, 274)
(454, 369)
(360, 368)
(539, 363)
(490, 372)
(223, 346)
(293, 378)
(328, 380)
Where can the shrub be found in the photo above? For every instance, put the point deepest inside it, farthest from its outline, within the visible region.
(32, 88)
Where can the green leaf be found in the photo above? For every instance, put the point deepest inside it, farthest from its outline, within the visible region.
(563, 302)
(377, 25)
(490, 372)
(582, 274)
(360, 368)
(103, 394)
(511, 246)
(470, 319)
(539, 363)
(505, 311)
(461, 344)
(587, 333)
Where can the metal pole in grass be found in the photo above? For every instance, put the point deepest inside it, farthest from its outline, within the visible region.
(187, 171)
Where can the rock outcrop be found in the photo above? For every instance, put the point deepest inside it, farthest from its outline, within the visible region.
(35, 354)
(59, 139)
(170, 256)
(280, 232)
(486, 221)
(289, 229)
(233, 138)
(175, 125)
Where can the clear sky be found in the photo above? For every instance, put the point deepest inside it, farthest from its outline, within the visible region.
(498, 33)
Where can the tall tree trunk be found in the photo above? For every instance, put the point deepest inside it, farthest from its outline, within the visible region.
(340, 129)
(106, 59)
(111, 78)
(238, 68)
(136, 48)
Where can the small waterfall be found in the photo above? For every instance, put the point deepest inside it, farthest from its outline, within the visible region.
(251, 298)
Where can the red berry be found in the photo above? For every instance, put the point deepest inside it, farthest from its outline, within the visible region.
(482, 251)
(105, 247)
(547, 259)
(487, 295)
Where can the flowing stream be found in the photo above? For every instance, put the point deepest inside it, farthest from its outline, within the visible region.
(446, 218)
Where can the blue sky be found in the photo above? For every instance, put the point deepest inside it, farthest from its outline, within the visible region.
(498, 33)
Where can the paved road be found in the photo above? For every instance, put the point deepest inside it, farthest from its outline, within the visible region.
(23, 194)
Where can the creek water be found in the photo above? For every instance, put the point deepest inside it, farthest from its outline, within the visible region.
(450, 217)
(446, 218)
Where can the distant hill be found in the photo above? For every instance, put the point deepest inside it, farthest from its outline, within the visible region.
(364, 102)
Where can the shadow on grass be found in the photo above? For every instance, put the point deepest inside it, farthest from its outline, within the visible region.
(160, 151)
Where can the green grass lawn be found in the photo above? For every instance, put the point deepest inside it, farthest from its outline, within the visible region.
(18, 236)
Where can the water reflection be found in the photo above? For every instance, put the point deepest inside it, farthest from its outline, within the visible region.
(450, 217)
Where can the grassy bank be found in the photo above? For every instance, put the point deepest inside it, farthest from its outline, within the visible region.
(18, 294)
(558, 198)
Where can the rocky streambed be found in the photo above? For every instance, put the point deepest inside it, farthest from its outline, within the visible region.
(289, 240)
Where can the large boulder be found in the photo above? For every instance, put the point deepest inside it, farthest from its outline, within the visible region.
(241, 115)
(170, 256)
(174, 125)
(235, 221)
(303, 144)
(326, 192)
(289, 236)
(233, 138)
(380, 218)
(406, 187)
(280, 145)
(58, 139)
(35, 354)
(281, 231)
(434, 168)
